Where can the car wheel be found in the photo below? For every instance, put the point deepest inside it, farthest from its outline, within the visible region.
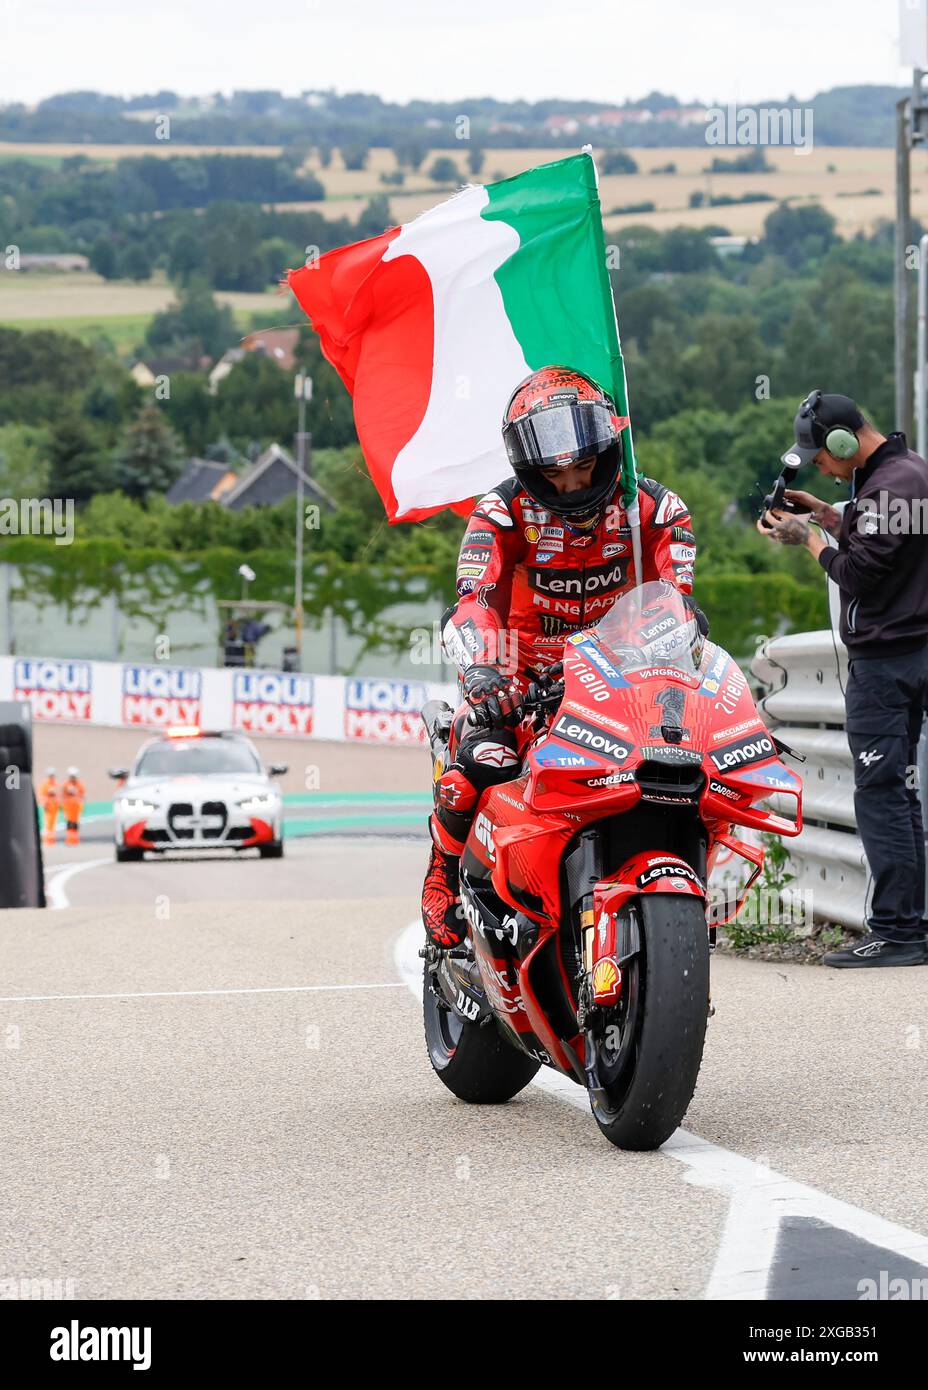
(275, 850)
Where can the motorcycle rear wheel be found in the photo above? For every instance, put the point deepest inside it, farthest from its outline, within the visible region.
(476, 1064)
(648, 1097)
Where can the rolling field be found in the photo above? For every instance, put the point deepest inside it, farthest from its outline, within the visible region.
(86, 305)
(854, 185)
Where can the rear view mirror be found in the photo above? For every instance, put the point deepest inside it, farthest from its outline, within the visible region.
(117, 773)
(278, 769)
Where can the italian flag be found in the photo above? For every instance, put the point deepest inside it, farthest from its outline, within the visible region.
(432, 325)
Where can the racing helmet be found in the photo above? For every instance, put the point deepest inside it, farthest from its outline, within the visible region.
(557, 416)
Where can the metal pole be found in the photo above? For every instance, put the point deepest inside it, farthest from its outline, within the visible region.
(303, 387)
(298, 580)
(903, 362)
(921, 404)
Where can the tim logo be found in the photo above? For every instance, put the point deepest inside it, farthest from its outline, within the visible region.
(385, 711)
(157, 696)
(268, 702)
(54, 689)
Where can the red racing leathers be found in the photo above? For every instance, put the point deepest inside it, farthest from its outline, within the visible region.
(527, 580)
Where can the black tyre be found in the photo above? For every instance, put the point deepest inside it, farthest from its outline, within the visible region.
(275, 850)
(128, 855)
(476, 1064)
(648, 1070)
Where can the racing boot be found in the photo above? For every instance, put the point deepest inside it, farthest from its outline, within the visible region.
(442, 914)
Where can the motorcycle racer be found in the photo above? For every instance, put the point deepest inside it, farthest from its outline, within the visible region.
(545, 554)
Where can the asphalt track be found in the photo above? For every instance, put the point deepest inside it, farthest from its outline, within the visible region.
(215, 1087)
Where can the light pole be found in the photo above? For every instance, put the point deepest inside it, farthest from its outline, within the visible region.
(248, 576)
(303, 390)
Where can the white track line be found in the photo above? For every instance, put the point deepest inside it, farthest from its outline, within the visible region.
(191, 993)
(55, 895)
(759, 1197)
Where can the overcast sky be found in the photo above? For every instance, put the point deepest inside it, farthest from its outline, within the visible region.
(605, 50)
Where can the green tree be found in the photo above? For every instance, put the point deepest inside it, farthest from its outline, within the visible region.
(410, 153)
(195, 325)
(23, 461)
(355, 156)
(103, 258)
(476, 159)
(149, 458)
(618, 162)
(134, 263)
(77, 467)
(444, 170)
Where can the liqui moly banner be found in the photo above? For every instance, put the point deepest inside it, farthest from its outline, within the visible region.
(56, 690)
(158, 696)
(383, 711)
(266, 704)
(271, 702)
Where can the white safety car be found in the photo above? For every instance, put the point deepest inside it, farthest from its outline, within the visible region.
(191, 790)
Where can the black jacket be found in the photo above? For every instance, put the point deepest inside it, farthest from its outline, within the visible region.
(881, 564)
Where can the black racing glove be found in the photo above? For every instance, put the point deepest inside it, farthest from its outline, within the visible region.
(492, 695)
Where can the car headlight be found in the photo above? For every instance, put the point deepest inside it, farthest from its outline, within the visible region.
(253, 804)
(134, 806)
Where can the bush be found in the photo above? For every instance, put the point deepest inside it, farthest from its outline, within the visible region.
(444, 170)
(618, 162)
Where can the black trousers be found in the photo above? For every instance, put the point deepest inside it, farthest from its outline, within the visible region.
(886, 700)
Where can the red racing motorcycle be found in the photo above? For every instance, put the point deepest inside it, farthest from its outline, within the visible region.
(584, 879)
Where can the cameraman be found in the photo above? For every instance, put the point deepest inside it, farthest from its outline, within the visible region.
(881, 570)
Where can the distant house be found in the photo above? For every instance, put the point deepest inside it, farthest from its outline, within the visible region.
(146, 371)
(561, 125)
(202, 481)
(684, 115)
(279, 344)
(54, 262)
(271, 479)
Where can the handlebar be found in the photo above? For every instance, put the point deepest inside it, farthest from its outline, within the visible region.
(540, 695)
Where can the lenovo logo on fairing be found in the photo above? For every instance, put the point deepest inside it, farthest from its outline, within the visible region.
(740, 754)
(576, 731)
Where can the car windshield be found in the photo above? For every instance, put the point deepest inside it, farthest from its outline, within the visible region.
(650, 626)
(196, 757)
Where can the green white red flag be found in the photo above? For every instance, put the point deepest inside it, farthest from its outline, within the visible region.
(432, 325)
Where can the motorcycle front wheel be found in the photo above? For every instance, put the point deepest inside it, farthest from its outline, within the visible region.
(476, 1063)
(649, 1053)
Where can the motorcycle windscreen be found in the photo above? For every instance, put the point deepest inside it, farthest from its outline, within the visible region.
(651, 626)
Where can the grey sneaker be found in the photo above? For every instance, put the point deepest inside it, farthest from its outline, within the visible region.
(872, 951)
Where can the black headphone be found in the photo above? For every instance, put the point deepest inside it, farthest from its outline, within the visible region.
(841, 442)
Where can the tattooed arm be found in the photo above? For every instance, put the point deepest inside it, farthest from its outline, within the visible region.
(791, 530)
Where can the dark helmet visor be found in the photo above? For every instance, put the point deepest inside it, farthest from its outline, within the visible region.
(560, 433)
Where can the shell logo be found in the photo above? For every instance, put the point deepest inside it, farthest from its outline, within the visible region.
(607, 978)
(532, 533)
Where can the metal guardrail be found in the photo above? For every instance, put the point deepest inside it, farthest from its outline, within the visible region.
(804, 677)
